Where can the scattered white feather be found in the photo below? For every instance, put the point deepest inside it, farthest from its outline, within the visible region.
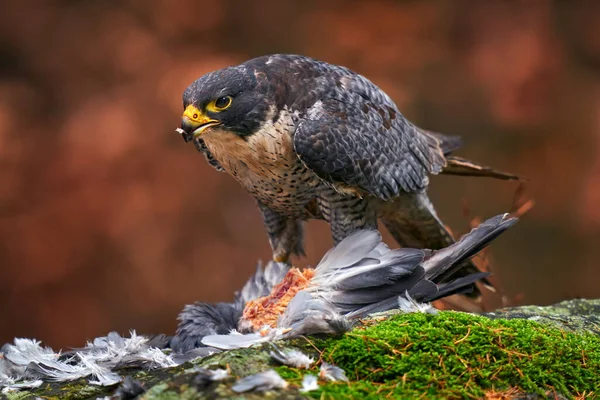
(236, 340)
(292, 358)
(212, 375)
(25, 362)
(103, 375)
(260, 382)
(115, 351)
(309, 383)
(25, 351)
(14, 387)
(407, 304)
(219, 374)
(61, 371)
(330, 372)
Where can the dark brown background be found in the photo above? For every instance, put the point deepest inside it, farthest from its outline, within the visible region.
(109, 221)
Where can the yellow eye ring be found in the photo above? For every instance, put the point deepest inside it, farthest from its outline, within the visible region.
(220, 104)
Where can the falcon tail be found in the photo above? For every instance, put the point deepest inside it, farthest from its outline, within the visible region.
(461, 166)
(464, 167)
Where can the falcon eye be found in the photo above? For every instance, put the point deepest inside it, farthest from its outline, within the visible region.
(223, 102)
(220, 104)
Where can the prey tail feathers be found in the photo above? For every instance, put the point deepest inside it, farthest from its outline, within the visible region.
(413, 222)
(448, 263)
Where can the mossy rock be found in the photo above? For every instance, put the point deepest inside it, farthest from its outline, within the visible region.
(449, 355)
(571, 315)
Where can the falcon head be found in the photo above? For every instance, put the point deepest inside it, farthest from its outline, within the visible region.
(229, 99)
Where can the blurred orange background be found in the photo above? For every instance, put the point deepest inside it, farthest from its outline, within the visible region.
(109, 221)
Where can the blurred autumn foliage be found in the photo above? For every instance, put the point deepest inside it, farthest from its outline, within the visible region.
(108, 221)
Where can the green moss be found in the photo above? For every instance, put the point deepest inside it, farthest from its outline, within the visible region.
(461, 355)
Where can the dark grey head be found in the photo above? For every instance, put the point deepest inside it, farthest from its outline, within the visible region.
(229, 98)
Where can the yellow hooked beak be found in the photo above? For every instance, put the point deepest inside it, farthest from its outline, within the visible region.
(194, 122)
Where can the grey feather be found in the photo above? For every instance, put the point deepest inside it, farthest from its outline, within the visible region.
(309, 314)
(360, 312)
(235, 340)
(332, 373)
(374, 295)
(131, 388)
(201, 319)
(376, 273)
(291, 357)
(442, 263)
(260, 382)
(424, 289)
(460, 285)
(194, 354)
(352, 249)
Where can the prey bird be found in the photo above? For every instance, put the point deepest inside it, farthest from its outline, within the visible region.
(312, 140)
(358, 277)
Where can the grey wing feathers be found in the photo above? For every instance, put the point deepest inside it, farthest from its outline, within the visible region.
(352, 142)
(460, 285)
(351, 250)
(349, 299)
(423, 275)
(442, 263)
(362, 260)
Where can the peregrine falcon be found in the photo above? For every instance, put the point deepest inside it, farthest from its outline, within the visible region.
(312, 140)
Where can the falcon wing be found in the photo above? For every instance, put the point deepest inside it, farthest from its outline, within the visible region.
(352, 142)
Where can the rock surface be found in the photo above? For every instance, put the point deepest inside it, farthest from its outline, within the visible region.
(571, 315)
(551, 351)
